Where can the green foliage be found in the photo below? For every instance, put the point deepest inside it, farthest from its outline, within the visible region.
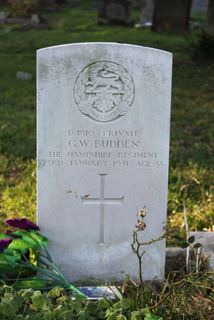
(202, 45)
(149, 316)
(194, 295)
(23, 252)
(191, 188)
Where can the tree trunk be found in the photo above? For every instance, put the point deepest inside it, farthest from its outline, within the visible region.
(171, 15)
(210, 17)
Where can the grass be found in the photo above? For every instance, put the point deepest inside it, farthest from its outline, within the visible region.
(192, 143)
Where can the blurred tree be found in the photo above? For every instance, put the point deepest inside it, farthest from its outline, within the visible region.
(210, 17)
(171, 15)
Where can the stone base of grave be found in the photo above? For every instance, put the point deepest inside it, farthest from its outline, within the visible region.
(207, 241)
(36, 21)
(176, 257)
(175, 260)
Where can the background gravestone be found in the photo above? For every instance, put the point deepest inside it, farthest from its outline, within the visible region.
(115, 12)
(146, 14)
(199, 5)
(103, 143)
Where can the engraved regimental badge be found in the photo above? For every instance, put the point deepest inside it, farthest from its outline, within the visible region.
(104, 91)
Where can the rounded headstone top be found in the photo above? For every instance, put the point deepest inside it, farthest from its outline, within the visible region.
(102, 44)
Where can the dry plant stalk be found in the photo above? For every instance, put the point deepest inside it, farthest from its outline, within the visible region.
(137, 246)
(187, 237)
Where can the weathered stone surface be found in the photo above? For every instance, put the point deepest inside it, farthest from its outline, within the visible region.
(36, 19)
(103, 144)
(115, 12)
(211, 261)
(175, 257)
(3, 16)
(205, 238)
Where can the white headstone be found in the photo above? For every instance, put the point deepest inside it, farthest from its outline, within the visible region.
(103, 144)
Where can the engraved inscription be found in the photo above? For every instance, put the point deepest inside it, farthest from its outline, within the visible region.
(104, 91)
(102, 201)
(103, 148)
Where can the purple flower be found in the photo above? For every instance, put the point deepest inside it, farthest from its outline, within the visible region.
(22, 224)
(4, 244)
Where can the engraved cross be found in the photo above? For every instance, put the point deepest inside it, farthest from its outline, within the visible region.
(102, 201)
